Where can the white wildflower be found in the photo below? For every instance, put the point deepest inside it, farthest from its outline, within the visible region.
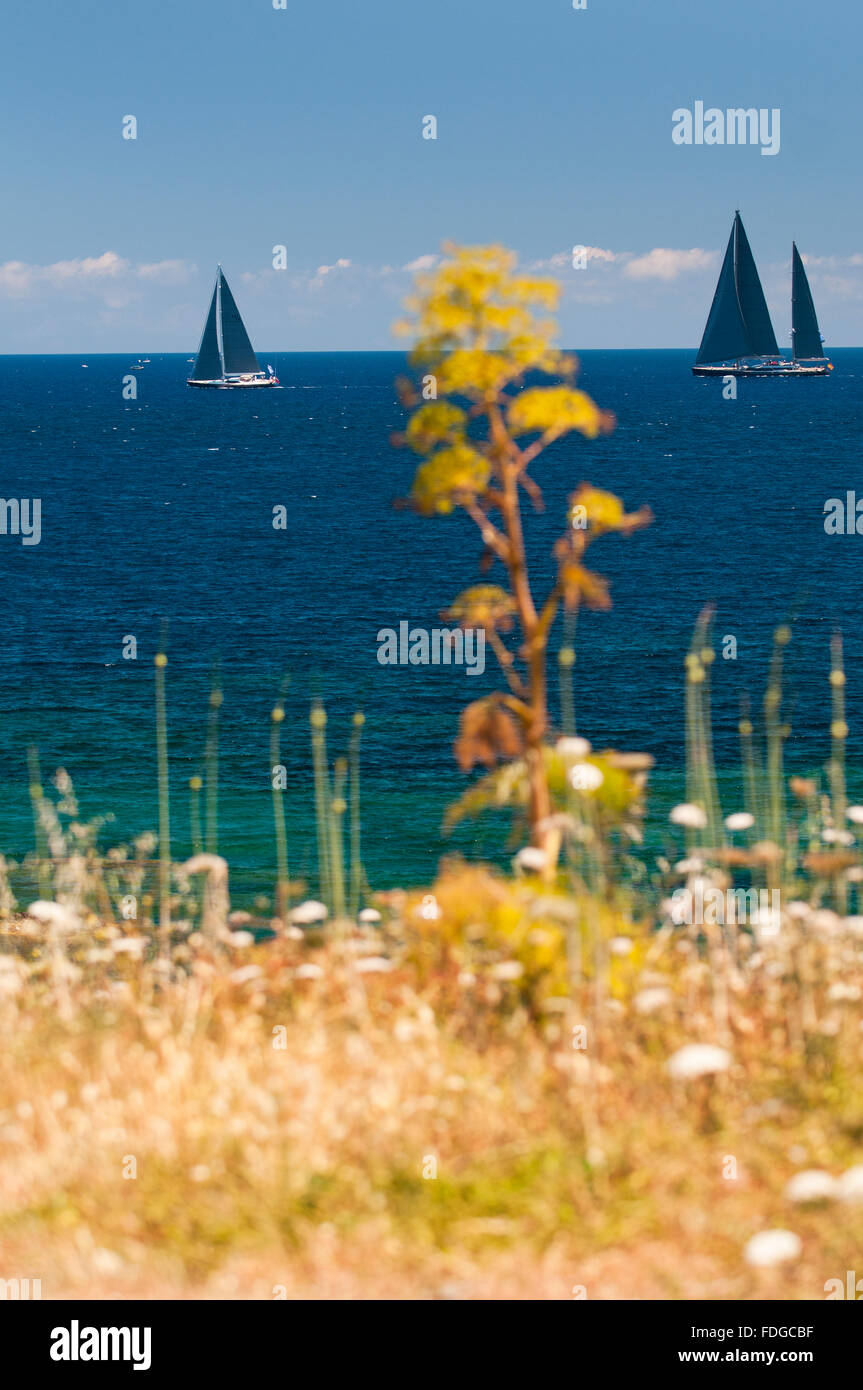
(369, 916)
(106, 1261)
(308, 913)
(740, 820)
(216, 902)
(649, 1001)
(800, 911)
(689, 816)
(692, 865)
(507, 970)
(837, 837)
(532, 858)
(129, 945)
(586, 777)
(841, 993)
(855, 814)
(812, 1185)
(825, 921)
(573, 747)
(849, 1187)
(55, 915)
(621, 945)
(309, 972)
(698, 1059)
(245, 974)
(772, 1248)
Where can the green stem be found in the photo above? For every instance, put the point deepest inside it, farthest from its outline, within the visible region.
(161, 662)
(195, 785)
(337, 858)
(355, 824)
(318, 721)
(42, 855)
(283, 876)
(211, 758)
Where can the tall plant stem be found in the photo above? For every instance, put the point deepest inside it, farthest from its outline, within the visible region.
(195, 785)
(42, 854)
(337, 857)
(747, 758)
(356, 870)
(535, 636)
(838, 735)
(318, 721)
(161, 662)
(775, 736)
(565, 667)
(282, 873)
(211, 758)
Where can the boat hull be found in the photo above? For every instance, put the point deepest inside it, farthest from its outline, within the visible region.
(765, 369)
(224, 384)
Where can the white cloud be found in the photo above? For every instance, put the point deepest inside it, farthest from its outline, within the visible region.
(19, 279)
(561, 259)
(421, 263)
(108, 265)
(666, 263)
(166, 272)
(340, 264)
(832, 262)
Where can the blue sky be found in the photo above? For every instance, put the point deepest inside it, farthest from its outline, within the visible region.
(303, 127)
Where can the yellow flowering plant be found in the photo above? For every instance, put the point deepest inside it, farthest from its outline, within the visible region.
(479, 331)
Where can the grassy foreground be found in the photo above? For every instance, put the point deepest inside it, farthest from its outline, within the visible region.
(421, 1108)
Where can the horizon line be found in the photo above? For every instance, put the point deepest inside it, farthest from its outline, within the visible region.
(393, 352)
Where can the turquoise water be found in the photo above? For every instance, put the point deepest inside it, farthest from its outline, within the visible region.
(162, 508)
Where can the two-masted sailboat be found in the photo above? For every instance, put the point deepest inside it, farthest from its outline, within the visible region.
(226, 357)
(739, 338)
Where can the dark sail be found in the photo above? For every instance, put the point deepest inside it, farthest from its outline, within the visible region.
(208, 363)
(237, 351)
(738, 324)
(725, 337)
(762, 339)
(805, 338)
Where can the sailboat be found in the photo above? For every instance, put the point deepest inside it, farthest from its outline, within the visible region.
(226, 357)
(739, 339)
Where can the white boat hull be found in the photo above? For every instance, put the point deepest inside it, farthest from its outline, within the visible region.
(235, 383)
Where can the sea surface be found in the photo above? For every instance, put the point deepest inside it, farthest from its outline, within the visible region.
(160, 510)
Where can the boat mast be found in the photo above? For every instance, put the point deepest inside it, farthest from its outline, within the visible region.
(219, 316)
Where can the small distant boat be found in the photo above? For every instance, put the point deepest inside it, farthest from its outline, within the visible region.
(226, 357)
(739, 339)
(139, 365)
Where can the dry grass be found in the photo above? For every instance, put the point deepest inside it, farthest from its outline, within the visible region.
(282, 1120)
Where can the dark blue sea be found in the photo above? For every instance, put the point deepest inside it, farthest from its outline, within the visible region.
(160, 510)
